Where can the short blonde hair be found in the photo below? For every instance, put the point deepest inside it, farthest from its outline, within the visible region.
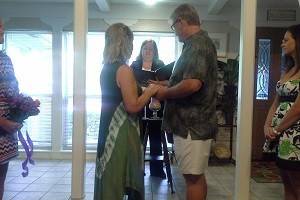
(118, 44)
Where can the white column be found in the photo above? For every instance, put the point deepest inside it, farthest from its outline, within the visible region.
(245, 102)
(79, 116)
(57, 125)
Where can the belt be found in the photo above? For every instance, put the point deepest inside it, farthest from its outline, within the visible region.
(287, 98)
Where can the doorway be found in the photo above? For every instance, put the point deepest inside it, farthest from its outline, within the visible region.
(267, 73)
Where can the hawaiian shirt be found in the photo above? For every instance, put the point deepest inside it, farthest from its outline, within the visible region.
(196, 113)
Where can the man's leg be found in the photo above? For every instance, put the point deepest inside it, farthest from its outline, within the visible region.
(192, 156)
(196, 187)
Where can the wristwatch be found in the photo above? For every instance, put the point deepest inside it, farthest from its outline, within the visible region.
(275, 131)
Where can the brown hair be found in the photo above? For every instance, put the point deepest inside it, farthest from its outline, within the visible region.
(155, 51)
(289, 61)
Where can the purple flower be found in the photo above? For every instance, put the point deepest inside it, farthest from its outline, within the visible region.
(22, 107)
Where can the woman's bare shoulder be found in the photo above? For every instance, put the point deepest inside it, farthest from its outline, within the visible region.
(124, 70)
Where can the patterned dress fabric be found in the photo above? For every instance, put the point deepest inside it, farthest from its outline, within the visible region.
(119, 162)
(8, 88)
(289, 141)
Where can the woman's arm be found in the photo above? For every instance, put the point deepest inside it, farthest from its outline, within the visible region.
(268, 129)
(9, 126)
(290, 117)
(127, 83)
(272, 111)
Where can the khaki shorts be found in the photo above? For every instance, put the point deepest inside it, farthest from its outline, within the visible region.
(192, 155)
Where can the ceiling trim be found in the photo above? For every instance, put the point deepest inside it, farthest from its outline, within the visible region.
(216, 6)
(103, 5)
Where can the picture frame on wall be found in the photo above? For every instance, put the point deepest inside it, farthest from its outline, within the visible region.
(220, 41)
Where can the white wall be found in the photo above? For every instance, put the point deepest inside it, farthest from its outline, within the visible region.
(140, 18)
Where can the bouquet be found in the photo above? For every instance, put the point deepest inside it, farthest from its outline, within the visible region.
(22, 107)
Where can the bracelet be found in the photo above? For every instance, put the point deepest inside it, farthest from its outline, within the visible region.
(275, 131)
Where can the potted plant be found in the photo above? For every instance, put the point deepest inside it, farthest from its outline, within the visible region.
(229, 98)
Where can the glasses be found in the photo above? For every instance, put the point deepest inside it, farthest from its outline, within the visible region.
(173, 25)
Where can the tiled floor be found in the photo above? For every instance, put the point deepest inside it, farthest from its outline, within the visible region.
(50, 180)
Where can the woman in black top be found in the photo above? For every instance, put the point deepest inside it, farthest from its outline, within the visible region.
(144, 68)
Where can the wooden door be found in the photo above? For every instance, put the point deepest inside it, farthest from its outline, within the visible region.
(267, 54)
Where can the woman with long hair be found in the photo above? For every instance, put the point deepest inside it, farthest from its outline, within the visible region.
(119, 162)
(8, 129)
(283, 120)
(144, 68)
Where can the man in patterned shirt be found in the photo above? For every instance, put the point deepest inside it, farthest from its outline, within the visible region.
(191, 100)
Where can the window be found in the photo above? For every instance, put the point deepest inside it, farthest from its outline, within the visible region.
(95, 47)
(31, 54)
(263, 69)
(163, 40)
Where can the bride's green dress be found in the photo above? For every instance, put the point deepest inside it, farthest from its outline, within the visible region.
(119, 162)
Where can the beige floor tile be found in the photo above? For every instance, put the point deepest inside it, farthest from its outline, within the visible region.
(9, 195)
(52, 180)
(56, 196)
(29, 195)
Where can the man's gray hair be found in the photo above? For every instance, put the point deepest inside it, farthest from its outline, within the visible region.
(186, 12)
(118, 44)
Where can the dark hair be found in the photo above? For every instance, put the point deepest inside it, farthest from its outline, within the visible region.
(289, 61)
(155, 51)
(186, 12)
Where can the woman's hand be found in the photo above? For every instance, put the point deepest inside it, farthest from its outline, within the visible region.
(152, 89)
(269, 134)
(9, 126)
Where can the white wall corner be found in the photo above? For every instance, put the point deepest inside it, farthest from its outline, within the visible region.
(216, 6)
(127, 22)
(103, 5)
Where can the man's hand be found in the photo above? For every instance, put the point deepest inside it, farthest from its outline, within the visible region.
(10, 126)
(161, 93)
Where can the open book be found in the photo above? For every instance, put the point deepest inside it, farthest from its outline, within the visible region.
(143, 76)
(161, 74)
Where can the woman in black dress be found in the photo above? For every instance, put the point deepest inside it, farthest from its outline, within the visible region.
(144, 69)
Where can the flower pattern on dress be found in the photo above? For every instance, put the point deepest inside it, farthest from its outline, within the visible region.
(289, 141)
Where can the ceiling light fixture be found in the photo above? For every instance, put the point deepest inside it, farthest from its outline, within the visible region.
(152, 2)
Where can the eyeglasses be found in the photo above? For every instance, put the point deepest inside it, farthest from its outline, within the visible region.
(173, 25)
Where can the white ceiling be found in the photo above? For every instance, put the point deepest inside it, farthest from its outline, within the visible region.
(208, 3)
(199, 2)
(269, 3)
(195, 2)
